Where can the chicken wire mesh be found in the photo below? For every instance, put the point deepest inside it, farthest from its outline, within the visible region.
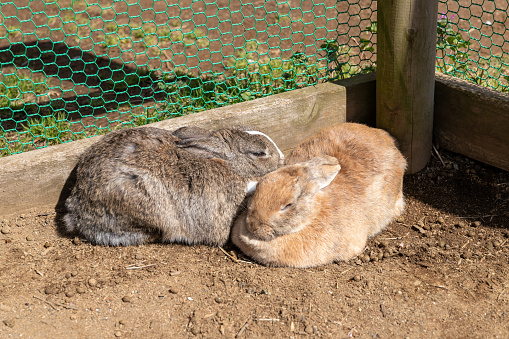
(473, 41)
(72, 69)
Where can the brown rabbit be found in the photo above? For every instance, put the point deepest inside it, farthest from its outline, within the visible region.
(313, 212)
(144, 184)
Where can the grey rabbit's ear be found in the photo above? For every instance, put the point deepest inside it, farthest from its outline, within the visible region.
(190, 132)
(202, 142)
(205, 147)
(251, 187)
(323, 169)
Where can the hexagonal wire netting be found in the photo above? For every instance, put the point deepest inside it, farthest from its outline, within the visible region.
(473, 41)
(77, 68)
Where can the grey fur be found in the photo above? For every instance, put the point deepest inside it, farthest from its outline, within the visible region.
(148, 184)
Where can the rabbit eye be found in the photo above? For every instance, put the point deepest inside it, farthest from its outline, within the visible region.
(285, 207)
(259, 154)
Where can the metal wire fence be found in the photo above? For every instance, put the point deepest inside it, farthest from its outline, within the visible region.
(473, 41)
(72, 69)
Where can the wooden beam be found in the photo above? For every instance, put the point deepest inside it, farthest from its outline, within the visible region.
(472, 120)
(38, 178)
(406, 75)
(360, 98)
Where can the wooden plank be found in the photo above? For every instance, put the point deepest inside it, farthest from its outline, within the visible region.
(360, 98)
(37, 178)
(405, 75)
(472, 120)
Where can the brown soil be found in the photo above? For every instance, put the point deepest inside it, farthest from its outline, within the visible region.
(441, 270)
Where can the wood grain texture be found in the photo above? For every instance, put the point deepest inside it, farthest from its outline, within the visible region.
(38, 178)
(360, 98)
(472, 120)
(405, 75)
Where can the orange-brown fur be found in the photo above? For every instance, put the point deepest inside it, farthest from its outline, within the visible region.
(336, 221)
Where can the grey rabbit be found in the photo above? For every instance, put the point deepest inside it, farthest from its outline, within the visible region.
(147, 184)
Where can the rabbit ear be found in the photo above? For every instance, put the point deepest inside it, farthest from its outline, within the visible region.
(323, 169)
(201, 142)
(206, 147)
(251, 187)
(191, 132)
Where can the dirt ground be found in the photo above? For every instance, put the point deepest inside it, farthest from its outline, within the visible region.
(441, 271)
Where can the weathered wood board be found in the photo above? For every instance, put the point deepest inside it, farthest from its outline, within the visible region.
(472, 120)
(406, 54)
(360, 98)
(37, 178)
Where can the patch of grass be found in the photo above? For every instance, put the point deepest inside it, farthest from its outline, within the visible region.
(338, 61)
(82, 19)
(175, 23)
(19, 89)
(163, 33)
(189, 38)
(13, 31)
(202, 43)
(338, 56)
(120, 81)
(139, 33)
(251, 45)
(112, 40)
(284, 20)
(125, 43)
(176, 36)
(36, 132)
(243, 80)
(111, 27)
(150, 40)
(150, 116)
(7, 148)
(70, 28)
(49, 130)
(78, 5)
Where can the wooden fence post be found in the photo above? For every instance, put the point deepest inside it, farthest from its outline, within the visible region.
(405, 81)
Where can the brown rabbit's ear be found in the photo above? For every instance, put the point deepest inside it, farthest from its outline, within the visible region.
(323, 169)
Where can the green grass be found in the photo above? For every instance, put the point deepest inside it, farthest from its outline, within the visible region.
(111, 27)
(120, 81)
(163, 33)
(15, 87)
(175, 23)
(13, 31)
(50, 130)
(244, 80)
(37, 132)
(176, 36)
(139, 33)
(112, 40)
